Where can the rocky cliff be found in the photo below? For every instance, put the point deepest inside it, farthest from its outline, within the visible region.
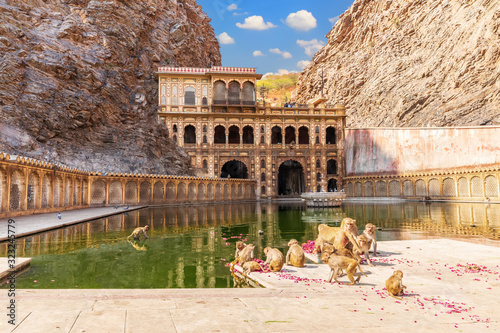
(77, 81)
(412, 63)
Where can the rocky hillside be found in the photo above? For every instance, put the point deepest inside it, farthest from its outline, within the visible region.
(77, 81)
(412, 63)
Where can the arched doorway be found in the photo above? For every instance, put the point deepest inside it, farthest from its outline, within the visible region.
(189, 134)
(330, 136)
(331, 167)
(291, 178)
(248, 135)
(276, 136)
(289, 135)
(234, 169)
(234, 134)
(332, 185)
(303, 135)
(219, 134)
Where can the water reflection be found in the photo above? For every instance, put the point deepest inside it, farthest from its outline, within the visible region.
(189, 246)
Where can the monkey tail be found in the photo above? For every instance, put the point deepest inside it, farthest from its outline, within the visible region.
(396, 297)
(361, 270)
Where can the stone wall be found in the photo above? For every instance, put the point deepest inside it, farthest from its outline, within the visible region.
(378, 151)
(29, 186)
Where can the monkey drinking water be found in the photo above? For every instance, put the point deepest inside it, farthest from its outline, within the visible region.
(137, 232)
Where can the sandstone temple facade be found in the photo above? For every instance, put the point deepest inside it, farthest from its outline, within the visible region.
(214, 115)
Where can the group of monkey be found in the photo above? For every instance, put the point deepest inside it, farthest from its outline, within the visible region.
(340, 248)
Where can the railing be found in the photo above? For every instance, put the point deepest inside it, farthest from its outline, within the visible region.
(480, 184)
(29, 186)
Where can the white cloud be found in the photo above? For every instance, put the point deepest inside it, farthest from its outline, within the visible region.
(282, 72)
(301, 20)
(284, 54)
(224, 38)
(232, 6)
(310, 46)
(257, 53)
(303, 64)
(333, 20)
(255, 23)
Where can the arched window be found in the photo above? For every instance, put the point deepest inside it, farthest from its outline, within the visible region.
(219, 92)
(330, 135)
(189, 134)
(248, 135)
(262, 163)
(163, 100)
(219, 134)
(318, 164)
(234, 134)
(205, 164)
(303, 135)
(263, 177)
(317, 129)
(204, 139)
(248, 93)
(233, 93)
(262, 130)
(289, 135)
(276, 136)
(189, 96)
(331, 167)
(318, 176)
(262, 140)
(263, 190)
(317, 139)
(175, 128)
(204, 101)
(204, 128)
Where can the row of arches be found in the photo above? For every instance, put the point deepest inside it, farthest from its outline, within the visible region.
(234, 93)
(461, 187)
(42, 190)
(147, 192)
(233, 135)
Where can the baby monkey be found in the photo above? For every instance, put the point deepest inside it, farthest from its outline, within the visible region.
(137, 232)
(338, 263)
(364, 246)
(251, 266)
(394, 284)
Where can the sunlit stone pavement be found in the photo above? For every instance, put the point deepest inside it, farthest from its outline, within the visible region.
(453, 286)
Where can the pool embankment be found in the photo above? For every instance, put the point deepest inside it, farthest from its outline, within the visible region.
(33, 224)
(451, 286)
(20, 264)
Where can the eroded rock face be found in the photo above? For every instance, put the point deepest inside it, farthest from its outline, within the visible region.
(77, 82)
(412, 63)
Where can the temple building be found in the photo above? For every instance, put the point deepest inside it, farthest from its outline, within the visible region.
(213, 114)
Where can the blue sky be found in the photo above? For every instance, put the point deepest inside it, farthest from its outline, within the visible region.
(272, 35)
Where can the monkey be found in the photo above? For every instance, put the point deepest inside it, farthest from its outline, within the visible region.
(339, 237)
(275, 259)
(394, 284)
(338, 263)
(239, 247)
(364, 246)
(370, 233)
(137, 231)
(251, 266)
(295, 255)
(349, 224)
(246, 254)
(329, 249)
